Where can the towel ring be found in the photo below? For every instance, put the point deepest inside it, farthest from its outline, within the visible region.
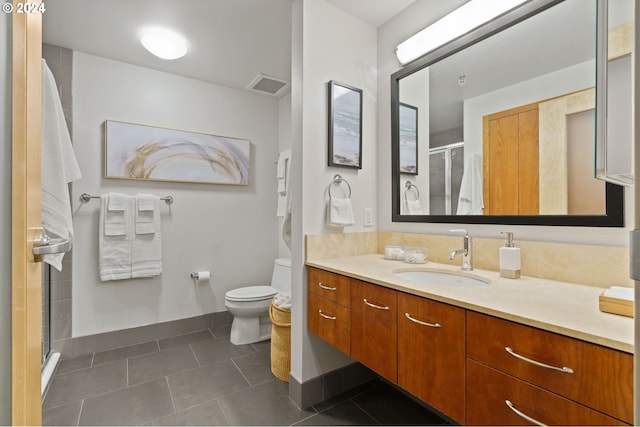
(408, 185)
(337, 180)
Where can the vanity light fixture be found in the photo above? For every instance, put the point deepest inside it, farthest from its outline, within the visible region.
(164, 43)
(462, 20)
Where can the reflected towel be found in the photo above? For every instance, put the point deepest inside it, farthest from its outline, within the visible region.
(114, 238)
(470, 200)
(414, 207)
(340, 213)
(59, 167)
(146, 244)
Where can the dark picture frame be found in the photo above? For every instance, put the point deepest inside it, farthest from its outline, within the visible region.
(408, 126)
(345, 125)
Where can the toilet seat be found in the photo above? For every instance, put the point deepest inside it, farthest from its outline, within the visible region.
(251, 293)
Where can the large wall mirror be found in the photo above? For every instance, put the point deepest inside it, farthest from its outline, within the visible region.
(499, 125)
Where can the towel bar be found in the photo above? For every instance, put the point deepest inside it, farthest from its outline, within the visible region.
(85, 197)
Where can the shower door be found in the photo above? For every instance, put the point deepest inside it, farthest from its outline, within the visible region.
(446, 166)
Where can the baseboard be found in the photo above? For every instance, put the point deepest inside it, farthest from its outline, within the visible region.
(326, 386)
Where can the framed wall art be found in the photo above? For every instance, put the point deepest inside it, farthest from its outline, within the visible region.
(345, 125)
(408, 125)
(134, 151)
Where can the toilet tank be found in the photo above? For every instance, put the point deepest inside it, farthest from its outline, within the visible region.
(281, 278)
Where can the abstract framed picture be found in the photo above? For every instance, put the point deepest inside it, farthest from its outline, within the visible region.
(134, 151)
(345, 125)
(408, 139)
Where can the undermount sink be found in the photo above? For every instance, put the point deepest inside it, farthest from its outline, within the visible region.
(441, 278)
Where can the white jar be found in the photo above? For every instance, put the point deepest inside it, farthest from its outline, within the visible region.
(394, 252)
(415, 255)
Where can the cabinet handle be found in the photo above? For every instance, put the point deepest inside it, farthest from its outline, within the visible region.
(326, 316)
(420, 322)
(535, 362)
(522, 414)
(379, 307)
(326, 287)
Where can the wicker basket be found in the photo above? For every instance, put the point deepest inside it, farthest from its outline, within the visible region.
(280, 341)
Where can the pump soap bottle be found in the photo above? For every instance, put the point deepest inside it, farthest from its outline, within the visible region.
(509, 258)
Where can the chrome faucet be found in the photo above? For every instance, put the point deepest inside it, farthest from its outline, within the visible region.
(465, 251)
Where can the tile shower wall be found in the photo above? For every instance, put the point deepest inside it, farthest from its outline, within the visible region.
(60, 61)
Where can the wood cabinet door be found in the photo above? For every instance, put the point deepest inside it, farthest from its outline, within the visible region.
(330, 321)
(331, 286)
(374, 328)
(431, 353)
(494, 398)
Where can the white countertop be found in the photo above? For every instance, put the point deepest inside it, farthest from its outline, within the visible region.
(566, 308)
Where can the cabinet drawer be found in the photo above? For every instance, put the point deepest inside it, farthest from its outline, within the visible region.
(601, 378)
(489, 390)
(331, 286)
(431, 353)
(330, 321)
(374, 328)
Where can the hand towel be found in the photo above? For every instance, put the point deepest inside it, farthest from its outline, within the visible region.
(114, 242)
(470, 200)
(59, 167)
(340, 213)
(146, 214)
(146, 247)
(414, 207)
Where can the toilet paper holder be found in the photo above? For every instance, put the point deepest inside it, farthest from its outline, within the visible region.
(195, 275)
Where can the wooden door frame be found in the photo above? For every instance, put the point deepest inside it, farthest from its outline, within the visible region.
(26, 288)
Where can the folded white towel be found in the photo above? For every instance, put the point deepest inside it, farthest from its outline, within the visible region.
(59, 167)
(414, 207)
(146, 246)
(340, 213)
(283, 299)
(114, 239)
(146, 214)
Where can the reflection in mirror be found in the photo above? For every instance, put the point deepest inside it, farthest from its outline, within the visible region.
(506, 123)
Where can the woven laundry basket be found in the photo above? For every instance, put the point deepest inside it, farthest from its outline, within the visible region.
(280, 341)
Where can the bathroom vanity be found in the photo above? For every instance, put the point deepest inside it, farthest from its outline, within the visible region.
(505, 352)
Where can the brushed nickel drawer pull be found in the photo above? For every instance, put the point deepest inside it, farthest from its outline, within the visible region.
(379, 307)
(326, 316)
(326, 287)
(523, 415)
(420, 322)
(534, 362)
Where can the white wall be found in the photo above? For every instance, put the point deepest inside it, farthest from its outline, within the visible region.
(5, 220)
(284, 143)
(226, 229)
(328, 44)
(396, 30)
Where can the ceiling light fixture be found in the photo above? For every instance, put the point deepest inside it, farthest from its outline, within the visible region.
(467, 17)
(163, 43)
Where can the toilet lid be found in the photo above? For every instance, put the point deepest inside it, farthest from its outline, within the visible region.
(251, 293)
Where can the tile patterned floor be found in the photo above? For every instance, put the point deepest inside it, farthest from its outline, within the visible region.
(203, 379)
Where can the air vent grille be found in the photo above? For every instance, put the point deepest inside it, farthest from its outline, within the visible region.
(268, 85)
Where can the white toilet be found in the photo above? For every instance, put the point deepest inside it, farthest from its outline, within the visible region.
(250, 305)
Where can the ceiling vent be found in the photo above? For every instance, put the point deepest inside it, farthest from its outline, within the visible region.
(269, 85)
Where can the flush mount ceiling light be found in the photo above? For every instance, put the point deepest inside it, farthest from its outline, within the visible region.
(462, 20)
(163, 43)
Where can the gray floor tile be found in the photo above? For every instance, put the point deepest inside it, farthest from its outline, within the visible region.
(256, 367)
(185, 339)
(204, 384)
(344, 414)
(131, 406)
(209, 414)
(74, 364)
(78, 385)
(218, 350)
(262, 345)
(342, 397)
(125, 352)
(221, 331)
(158, 365)
(66, 415)
(266, 404)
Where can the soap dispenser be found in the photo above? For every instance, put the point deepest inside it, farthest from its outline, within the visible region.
(509, 258)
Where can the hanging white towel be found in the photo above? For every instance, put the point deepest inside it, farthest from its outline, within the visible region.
(59, 167)
(470, 200)
(339, 213)
(114, 236)
(414, 207)
(146, 245)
